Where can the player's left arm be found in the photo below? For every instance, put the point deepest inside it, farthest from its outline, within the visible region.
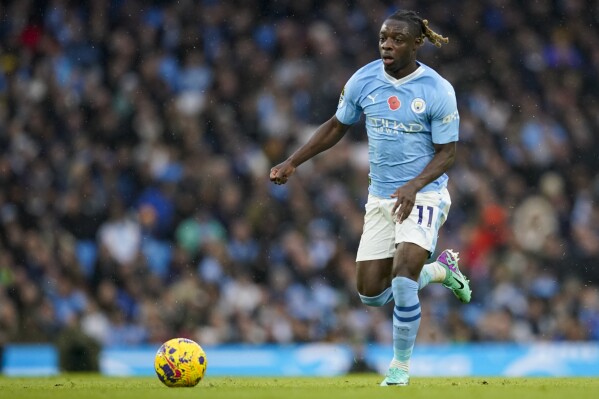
(406, 195)
(445, 121)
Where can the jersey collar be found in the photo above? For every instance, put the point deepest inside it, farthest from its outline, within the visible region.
(398, 82)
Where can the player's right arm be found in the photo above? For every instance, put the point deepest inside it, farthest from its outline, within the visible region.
(326, 135)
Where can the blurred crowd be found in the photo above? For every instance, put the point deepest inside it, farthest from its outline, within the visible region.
(136, 139)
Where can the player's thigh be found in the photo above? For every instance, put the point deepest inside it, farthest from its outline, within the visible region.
(409, 260)
(374, 258)
(373, 276)
(378, 234)
(422, 226)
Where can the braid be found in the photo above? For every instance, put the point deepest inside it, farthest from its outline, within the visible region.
(420, 27)
(433, 36)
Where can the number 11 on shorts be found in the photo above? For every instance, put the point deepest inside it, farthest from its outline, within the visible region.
(421, 214)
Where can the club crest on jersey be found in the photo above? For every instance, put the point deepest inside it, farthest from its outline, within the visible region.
(394, 103)
(418, 105)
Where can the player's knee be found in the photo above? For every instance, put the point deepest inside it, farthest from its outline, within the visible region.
(409, 260)
(412, 274)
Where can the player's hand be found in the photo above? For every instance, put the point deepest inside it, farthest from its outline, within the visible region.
(405, 199)
(280, 173)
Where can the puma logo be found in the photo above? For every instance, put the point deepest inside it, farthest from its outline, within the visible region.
(373, 98)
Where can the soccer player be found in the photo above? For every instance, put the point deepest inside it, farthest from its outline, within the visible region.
(412, 124)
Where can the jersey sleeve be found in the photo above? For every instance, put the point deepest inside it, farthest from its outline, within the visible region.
(445, 119)
(348, 109)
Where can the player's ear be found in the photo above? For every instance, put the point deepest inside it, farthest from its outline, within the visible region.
(419, 41)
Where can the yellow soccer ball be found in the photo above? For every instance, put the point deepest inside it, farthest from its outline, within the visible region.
(180, 362)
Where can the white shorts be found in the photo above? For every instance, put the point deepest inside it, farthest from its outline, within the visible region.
(381, 233)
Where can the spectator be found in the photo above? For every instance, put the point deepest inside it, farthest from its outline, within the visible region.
(135, 144)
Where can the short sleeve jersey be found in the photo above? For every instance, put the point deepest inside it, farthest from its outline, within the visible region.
(404, 118)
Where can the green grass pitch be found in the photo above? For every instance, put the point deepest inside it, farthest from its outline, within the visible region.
(91, 386)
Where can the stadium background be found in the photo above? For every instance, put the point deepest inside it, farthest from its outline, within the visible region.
(136, 139)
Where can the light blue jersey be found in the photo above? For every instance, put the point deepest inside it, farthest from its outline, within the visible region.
(404, 118)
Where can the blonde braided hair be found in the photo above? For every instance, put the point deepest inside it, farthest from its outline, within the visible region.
(433, 36)
(420, 27)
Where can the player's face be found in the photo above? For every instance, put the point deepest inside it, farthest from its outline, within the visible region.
(398, 48)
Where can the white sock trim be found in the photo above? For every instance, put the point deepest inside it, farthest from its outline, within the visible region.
(400, 364)
(437, 272)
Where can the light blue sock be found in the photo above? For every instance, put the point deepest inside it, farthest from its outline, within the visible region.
(406, 320)
(424, 278)
(380, 300)
(431, 273)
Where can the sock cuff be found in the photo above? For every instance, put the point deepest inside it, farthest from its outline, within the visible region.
(380, 300)
(405, 283)
(405, 292)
